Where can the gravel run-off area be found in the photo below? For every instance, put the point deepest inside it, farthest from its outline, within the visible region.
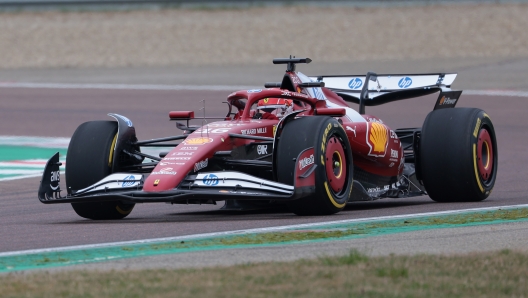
(255, 35)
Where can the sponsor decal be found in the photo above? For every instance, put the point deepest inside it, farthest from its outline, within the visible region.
(370, 119)
(377, 139)
(128, 181)
(165, 171)
(374, 189)
(223, 191)
(378, 189)
(156, 182)
(210, 179)
(447, 101)
(188, 148)
(176, 158)
(200, 165)
(224, 124)
(352, 130)
(323, 142)
(254, 91)
(405, 82)
(476, 128)
(262, 149)
(295, 79)
(55, 177)
(391, 165)
(355, 83)
(298, 94)
(197, 141)
(303, 163)
(254, 131)
(128, 122)
(394, 136)
(165, 163)
(213, 131)
(394, 153)
(182, 153)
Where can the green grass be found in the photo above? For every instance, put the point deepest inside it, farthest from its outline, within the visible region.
(325, 233)
(493, 274)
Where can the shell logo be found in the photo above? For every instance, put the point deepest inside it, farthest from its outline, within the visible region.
(377, 139)
(197, 141)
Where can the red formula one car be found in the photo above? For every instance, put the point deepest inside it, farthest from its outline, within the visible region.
(296, 142)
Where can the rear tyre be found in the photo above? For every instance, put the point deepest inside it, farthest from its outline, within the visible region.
(333, 160)
(458, 155)
(89, 159)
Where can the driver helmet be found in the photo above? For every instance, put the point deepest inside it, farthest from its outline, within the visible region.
(277, 106)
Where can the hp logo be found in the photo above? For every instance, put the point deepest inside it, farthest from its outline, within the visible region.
(128, 181)
(355, 83)
(210, 179)
(405, 82)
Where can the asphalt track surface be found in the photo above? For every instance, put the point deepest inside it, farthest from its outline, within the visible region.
(27, 224)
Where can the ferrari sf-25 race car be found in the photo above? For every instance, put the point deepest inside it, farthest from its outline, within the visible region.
(294, 142)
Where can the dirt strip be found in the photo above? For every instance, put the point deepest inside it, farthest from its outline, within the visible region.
(255, 35)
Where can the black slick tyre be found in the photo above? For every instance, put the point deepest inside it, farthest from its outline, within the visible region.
(89, 159)
(332, 157)
(458, 155)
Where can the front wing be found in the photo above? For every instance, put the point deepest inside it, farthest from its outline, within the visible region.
(201, 187)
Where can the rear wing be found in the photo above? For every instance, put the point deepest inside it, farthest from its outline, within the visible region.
(376, 89)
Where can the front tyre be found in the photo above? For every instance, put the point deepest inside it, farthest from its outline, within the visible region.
(89, 159)
(458, 155)
(332, 158)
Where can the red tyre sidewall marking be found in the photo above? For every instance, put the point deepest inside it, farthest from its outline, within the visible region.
(335, 148)
(484, 161)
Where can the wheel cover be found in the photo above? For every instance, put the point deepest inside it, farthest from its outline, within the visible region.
(335, 164)
(485, 154)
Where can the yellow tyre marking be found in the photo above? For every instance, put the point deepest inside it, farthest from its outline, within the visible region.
(475, 167)
(331, 198)
(477, 127)
(124, 212)
(111, 156)
(487, 116)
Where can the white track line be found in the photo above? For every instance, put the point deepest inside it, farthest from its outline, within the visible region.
(509, 93)
(27, 176)
(20, 177)
(124, 86)
(29, 141)
(252, 231)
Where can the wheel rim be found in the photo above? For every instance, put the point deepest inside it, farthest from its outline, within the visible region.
(485, 155)
(335, 164)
